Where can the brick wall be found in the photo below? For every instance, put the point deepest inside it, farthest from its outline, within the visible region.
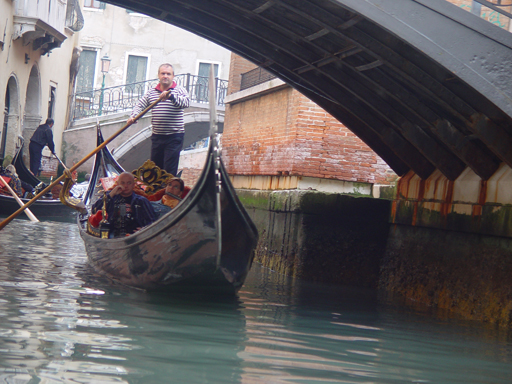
(237, 66)
(284, 133)
(325, 148)
(49, 166)
(259, 138)
(190, 176)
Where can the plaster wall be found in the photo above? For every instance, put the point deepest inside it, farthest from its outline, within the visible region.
(116, 33)
(17, 60)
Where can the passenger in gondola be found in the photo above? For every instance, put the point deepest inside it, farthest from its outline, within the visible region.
(126, 211)
(21, 188)
(13, 179)
(173, 192)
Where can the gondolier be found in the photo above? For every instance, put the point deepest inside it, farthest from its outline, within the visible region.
(167, 119)
(41, 137)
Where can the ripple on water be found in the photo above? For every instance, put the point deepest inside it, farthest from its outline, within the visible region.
(61, 322)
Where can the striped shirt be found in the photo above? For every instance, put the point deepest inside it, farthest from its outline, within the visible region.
(167, 116)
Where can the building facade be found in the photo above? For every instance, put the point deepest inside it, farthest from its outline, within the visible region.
(35, 56)
(135, 45)
(276, 138)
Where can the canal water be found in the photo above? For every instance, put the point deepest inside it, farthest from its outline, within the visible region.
(60, 322)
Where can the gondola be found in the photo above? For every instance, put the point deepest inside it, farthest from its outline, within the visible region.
(46, 208)
(205, 244)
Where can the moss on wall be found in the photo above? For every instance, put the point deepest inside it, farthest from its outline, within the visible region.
(323, 237)
(466, 274)
(253, 199)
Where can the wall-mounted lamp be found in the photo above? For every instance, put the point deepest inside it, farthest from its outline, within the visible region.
(27, 58)
(105, 64)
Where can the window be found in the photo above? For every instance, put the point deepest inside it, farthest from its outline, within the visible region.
(137, 69)
(94, 4)
(85, 77)
(74, 16)
(201, 86)
(136, 72)
(51, 102)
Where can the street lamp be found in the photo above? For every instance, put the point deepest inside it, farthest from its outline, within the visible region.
(105, 65)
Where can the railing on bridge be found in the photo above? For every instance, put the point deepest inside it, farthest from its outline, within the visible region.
(255, 77)
(497, 12)
(98, 102)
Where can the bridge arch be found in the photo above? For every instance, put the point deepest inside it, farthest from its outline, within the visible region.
(422, 82)
(197, 125)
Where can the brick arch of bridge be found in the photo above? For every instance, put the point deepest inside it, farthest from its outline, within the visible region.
(424, 83)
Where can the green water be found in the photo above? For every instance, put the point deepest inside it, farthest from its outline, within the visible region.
(62, 323)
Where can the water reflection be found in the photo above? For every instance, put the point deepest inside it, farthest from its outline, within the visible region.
(62, 322)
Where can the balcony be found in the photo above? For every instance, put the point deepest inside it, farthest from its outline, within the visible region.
(40, 23)
(255, 77)
(122, 98)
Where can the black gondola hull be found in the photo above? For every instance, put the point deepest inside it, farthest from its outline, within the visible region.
(50, 209)
(43, 208)
(180, 251)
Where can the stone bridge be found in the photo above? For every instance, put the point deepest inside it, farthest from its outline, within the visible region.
(428, 86)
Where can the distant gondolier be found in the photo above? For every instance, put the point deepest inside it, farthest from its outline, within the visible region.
(41, 137)
(167, 119)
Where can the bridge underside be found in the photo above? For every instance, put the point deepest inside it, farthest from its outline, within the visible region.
(425, 84)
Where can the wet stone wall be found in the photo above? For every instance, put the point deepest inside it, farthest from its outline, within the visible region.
(465, 273)
(345, 240)
(323, 237)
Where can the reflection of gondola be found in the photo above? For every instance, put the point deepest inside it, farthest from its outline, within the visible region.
(45, 207)
(206, 243)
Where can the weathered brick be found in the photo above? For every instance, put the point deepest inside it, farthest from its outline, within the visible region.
(283, 131)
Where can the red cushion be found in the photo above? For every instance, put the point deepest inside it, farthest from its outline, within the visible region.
(185, 192)
(95, 219)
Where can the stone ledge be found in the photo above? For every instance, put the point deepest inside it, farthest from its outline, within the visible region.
(317, 203)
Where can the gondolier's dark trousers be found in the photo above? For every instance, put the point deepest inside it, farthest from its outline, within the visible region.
(36, 153)
(165, 151)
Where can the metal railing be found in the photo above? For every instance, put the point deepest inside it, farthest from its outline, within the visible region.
(255, 77)
(121, 98)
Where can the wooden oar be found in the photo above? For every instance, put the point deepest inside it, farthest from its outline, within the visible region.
(29, 213)
(61, 177)
(60, 161)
